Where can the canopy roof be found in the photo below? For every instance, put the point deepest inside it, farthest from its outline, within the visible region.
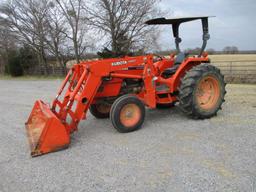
(175, 22)
(164, 21)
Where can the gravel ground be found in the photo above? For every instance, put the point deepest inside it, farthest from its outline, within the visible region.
(170, 152)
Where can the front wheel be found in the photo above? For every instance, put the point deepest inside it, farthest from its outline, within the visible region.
(202, 91)
(127, 113)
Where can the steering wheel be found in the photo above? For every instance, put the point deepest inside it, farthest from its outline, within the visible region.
(159, 58)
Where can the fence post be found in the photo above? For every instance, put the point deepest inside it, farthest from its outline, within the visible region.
(230, 67)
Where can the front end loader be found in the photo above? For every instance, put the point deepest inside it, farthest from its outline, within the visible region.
(121, 88)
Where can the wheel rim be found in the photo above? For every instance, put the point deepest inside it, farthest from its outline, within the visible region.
(130, 115)
(208, 92)
(103, 108)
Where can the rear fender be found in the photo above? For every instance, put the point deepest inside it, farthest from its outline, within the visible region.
(183, 68)
(160, 66)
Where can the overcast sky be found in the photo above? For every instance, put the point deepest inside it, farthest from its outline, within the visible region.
(234, 24)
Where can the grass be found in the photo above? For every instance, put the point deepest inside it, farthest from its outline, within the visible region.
(233, 57)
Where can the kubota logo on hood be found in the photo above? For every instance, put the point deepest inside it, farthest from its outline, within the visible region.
(119, 63)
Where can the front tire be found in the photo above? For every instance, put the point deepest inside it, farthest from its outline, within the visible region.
(202, 91)
(127, 113)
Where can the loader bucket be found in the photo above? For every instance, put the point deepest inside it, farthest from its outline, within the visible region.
(46, 133)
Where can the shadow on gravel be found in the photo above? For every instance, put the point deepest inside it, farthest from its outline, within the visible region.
(93, 128)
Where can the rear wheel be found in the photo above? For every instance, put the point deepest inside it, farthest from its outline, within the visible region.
(202, 91)
(127, 113)
(100, 110)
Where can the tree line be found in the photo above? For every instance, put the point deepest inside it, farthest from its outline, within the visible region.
(34, 31)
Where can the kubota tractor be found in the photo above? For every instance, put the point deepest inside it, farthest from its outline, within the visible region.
(121, 88)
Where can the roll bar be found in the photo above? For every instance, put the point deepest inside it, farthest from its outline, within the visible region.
(175, 22)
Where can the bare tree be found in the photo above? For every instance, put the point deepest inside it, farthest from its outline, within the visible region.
(60, 27)
(27, 20)
(123, 22)
(7, 44)
(211, 51)
(56, 39)
(230, 50)
(74, 13)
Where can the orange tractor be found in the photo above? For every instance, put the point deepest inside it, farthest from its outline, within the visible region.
(121, 88)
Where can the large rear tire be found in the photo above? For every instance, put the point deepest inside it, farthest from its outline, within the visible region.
(127, 113)
(202, 91)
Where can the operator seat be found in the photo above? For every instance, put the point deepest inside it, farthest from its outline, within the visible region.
(178, 60)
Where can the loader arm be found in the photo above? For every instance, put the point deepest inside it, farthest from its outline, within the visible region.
(75, 96)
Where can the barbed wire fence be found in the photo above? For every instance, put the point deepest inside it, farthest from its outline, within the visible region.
(242, 71)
